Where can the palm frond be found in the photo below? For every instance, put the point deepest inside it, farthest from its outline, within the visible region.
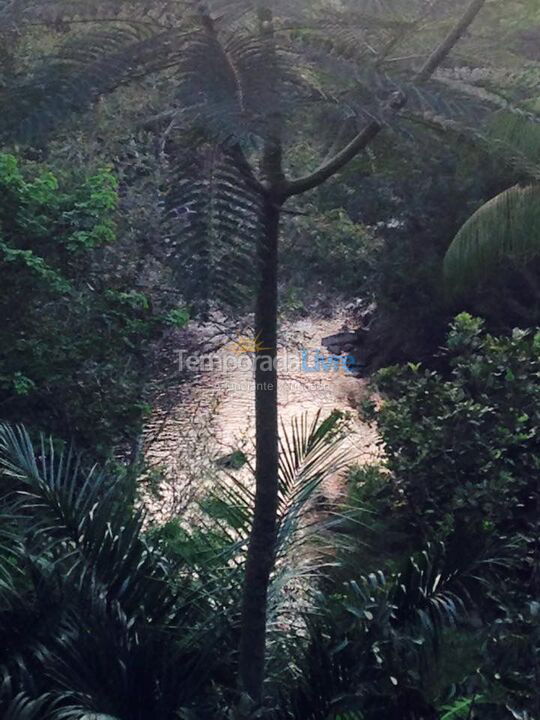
(22, 707)
(91, 582)
(372, 636)
(430, 593)
(507, 228)
(79, 518)
(310, 453)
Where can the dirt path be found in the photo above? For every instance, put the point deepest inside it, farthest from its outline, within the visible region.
(214, 416)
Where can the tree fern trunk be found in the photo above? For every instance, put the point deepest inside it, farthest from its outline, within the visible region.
(260, 558)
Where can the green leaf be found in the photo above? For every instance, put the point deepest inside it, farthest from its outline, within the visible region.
(505, 229)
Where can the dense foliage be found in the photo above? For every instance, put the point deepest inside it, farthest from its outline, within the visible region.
(173, 159)
(462, 467)
(429, 608)
(74, 333)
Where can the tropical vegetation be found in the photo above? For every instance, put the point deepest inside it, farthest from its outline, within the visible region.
(170, 166)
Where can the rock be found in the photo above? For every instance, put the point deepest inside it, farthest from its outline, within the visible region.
(339, 340)
(366, 317)
(234, 461)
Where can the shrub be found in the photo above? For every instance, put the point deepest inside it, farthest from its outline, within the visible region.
(462, 461)
(72, 343)
(464, 448)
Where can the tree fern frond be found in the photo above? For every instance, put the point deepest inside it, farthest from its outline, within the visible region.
(494, 98)
(253, 65)
(505, 228)
(208, 88)
(212, 225)
(222, 84)
(484, 138)
(59, 14)
(86, 67)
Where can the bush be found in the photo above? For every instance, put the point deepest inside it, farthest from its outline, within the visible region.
(72, 343)
(462, 461)
(464, 448)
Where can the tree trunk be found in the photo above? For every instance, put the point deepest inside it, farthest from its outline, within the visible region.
(276, 190)
(261, 550)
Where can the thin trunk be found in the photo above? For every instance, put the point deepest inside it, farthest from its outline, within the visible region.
(261, 550)
(276, 190)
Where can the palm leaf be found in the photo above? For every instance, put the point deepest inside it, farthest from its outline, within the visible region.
(507, 228)
(79, 518)
(22, 707)
(97, 620)
(361, 645)
(309, 453)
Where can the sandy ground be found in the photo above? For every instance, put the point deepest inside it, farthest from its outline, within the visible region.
(214, 416)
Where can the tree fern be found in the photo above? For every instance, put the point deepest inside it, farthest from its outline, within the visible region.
(236, 75)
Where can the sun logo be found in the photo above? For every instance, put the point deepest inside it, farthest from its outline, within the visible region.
(247, 346)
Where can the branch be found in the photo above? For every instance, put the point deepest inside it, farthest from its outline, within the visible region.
(396, 102)
(445, 48)
(349, 152)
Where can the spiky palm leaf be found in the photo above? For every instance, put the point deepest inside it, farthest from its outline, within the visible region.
(310, 454)
(22, 707)
(100, 611)
(362, 654)
(97, 618)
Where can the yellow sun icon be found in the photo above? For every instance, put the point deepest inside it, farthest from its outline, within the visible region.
(247, 345)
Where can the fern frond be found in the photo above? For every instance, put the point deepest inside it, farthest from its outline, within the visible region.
(212, 226)
(86, 66)
(61, 14)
